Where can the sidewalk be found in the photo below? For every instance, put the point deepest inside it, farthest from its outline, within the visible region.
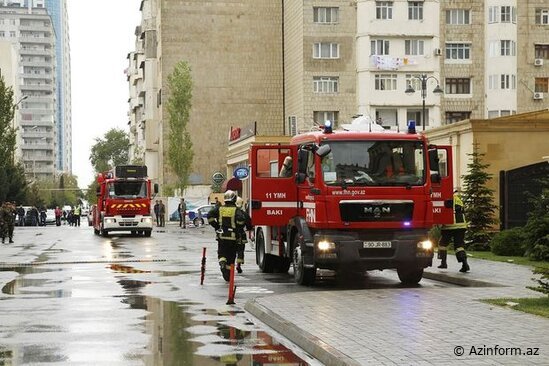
(415, 326)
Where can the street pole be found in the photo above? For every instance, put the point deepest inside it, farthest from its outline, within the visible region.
(423, 96)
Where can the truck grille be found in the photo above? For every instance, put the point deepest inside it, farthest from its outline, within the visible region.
(360, 211)
(128, 223)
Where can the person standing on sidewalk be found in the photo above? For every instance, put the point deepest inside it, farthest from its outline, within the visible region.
(162, 213)
(156, 206)
(454, 232)
(182, 209)
(58, 214)
(77, 213)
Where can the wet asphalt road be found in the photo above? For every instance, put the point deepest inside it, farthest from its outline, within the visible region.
(70, 297)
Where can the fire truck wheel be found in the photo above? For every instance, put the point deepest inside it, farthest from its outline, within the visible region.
(302, 275)
(103, 232)
(265, 261)
(284, 265)
(410, 275)
(148, 233)
(95, 231)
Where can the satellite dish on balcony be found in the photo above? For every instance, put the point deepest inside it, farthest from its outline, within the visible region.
(362, 124)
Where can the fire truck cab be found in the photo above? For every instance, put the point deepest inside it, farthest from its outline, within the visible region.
(355, 200)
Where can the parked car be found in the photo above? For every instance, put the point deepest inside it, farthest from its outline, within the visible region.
(193, 215)
(50, 216)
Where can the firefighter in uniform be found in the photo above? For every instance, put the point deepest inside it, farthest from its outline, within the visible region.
(7, 221)
(241, 242)
(228, 221)
(454, 232)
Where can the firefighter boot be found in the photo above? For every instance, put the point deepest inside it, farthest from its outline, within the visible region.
(462, 258)
(239, 268)
(464, 266)
(442, 255)
(11, 241)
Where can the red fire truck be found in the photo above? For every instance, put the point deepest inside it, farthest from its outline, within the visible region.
(124, 201)
(356, 200)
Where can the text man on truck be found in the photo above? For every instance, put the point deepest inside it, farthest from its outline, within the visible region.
(354, 200)
(124, 201)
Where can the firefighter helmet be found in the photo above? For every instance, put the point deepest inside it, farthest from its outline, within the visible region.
(230, 196)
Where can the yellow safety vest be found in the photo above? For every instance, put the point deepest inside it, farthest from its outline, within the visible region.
(459, 215)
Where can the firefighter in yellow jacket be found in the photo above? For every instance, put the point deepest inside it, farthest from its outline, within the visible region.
(454, 232)
(229, 222)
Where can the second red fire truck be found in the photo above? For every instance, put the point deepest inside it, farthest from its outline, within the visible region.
(355, 200)
(124, 201)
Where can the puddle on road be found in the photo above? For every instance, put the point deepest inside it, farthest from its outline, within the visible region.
(17, 286)
(192, 334)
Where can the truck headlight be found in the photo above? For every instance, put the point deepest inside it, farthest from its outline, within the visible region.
(326, 245)
(425, 245)
(146, 220)
(110, 221)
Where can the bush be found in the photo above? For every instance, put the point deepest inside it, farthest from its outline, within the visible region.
(543, 283)
(508, 242)
(536, 235)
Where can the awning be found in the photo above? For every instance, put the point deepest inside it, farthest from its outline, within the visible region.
(232, 184)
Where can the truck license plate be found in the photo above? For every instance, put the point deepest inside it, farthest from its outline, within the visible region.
(377, 244)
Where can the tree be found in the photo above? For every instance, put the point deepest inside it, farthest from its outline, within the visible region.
(13, 184)
(180, 151)
(478, 200)
(110, 151)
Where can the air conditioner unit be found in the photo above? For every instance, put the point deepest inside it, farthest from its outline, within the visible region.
(438, 52)
(292, 125)
(538, 96)
(538, 62)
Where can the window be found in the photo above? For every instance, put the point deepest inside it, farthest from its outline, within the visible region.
(502, 14)
(326, 50)
(458, 51)
(384, 10)
(325, 15)
(325, 84)
(458, 86)
(542, 16)
(458, 17)
(379, 47)
(508, 81)
(319, 117)
(385, 81)
(415, 10)
(415, 115)
(414, 81)
(413, 47)
(542, 51)
(453, 117)
(493, 114)
(507, 48)
(269, 163)
(541, 85)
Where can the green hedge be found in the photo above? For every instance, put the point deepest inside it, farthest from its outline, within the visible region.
(509, 242)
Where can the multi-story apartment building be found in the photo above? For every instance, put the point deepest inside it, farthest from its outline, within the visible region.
(397, 44)
(29, 28)
(235, 54)
(58, 12)
(316, 60)
(319, 63)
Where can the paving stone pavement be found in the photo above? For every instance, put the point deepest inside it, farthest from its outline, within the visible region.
(416, 326)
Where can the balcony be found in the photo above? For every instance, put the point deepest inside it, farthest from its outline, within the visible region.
(36, 40)
(36, 87)
(39, 52)
(46, 64)
(37, 111)
(37, 76)
(39, 123)
(35, 28)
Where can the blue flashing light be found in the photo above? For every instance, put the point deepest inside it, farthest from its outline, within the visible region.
(411, 126)
(328, 127)
(407, 223)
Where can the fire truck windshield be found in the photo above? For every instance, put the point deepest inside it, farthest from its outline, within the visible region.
(127, 189)
(374, 163)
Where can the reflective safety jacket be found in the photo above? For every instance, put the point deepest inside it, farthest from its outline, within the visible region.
(459, 215)
(230, 219)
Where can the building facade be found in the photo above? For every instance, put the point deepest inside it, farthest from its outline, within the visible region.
(316, 60)
(28, 26)
(235, 55)
(58, 12)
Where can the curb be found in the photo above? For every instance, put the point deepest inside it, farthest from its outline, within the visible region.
(460, 281)
(308, 342)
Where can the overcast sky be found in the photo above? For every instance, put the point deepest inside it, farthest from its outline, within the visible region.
(101, 35)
